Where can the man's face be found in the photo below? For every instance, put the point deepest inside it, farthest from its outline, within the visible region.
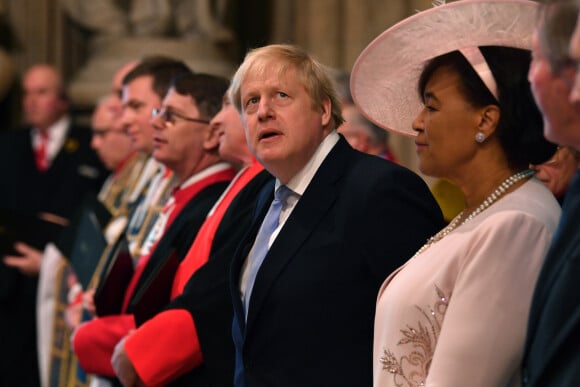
(110, 140)
(179, 142)
(139, 100)
(283, 128)
(574, 52)
(551, 92)
(43, 102)
(353, 131)
(232, 139)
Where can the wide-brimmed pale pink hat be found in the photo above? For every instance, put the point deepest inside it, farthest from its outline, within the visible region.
(385, 75)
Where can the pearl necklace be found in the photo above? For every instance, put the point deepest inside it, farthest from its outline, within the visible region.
(484, 205)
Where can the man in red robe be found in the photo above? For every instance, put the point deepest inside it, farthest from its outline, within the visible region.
(185, 143)
(189, 343)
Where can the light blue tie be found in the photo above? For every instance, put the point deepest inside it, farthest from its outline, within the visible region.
(261, 245)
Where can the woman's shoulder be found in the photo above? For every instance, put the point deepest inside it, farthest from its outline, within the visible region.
(532, 202)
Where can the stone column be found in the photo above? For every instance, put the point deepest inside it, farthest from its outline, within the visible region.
(324, 30)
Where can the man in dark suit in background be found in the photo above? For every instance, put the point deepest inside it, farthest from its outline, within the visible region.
(49, 165)
(304, 307)
(47, 168)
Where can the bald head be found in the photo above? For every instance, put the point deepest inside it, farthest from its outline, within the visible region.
(117, 84)
(361, 133)
(114, 102)
(43, 101)
(47, 73)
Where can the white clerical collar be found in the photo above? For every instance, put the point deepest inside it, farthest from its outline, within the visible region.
(221, 166)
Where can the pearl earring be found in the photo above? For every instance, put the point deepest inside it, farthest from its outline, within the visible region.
(480, 137)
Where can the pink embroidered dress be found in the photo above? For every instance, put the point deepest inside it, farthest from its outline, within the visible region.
(456, 314)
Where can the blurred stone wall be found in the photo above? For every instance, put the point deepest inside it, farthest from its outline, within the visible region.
(335, 31)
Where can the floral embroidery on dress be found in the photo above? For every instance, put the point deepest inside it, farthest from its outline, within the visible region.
(411, 370)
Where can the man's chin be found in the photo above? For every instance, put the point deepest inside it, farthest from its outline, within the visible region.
(549, 132)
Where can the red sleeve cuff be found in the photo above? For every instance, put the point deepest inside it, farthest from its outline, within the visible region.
(95, 341)
(165, 347)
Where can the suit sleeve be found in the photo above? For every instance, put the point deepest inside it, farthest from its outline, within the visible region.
(94, 342)
(414, 216)
(8, 282)
(195, 328)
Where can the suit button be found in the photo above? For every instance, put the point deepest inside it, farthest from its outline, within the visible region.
(525, 376)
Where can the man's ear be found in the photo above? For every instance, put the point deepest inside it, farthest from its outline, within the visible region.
(326, 112)
(212, 138)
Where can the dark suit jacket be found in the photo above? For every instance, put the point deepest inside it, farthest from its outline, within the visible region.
(311, 314)
(74, 172)
(552, 352)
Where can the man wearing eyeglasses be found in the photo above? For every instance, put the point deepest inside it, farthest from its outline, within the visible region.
(137, 188)
(195, 327)
(182, 140)
(144, 88)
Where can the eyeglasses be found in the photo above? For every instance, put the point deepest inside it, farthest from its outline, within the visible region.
(170, 116)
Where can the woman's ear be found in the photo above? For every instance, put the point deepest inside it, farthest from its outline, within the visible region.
(489, 119)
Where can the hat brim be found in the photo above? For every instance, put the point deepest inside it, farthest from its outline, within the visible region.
(385, 75)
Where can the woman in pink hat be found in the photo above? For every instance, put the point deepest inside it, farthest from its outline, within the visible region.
(455, 314)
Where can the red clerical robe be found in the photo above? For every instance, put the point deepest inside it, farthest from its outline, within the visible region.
(173, 332)
(95, 341)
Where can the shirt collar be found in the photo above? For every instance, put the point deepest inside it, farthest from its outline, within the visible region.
(221, 166)
(301, 180)
(57, 135)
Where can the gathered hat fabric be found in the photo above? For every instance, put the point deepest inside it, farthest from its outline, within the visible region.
(384, 77)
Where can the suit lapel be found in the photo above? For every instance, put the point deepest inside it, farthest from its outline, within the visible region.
(67, 151)
(28, 158)
(318, 198)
